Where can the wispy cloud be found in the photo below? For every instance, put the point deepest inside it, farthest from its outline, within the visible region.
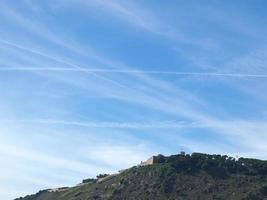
(140, 17)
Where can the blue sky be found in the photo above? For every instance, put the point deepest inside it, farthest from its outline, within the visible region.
(89, 87)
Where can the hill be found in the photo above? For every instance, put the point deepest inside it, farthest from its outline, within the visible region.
(194, 177)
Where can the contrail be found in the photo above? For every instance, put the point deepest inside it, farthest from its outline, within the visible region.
(116, 125)
(93, 70)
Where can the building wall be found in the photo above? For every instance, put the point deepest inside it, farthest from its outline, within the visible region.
(149, 161)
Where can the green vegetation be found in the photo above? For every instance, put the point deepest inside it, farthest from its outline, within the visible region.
(216, 165)
(102, 175)
(197, 176)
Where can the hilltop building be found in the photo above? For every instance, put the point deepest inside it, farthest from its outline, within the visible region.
(155, 159)
(149, 161)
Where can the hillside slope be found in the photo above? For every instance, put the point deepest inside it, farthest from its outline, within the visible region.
(196, 176)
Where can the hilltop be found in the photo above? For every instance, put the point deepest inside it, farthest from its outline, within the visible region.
(196, 176)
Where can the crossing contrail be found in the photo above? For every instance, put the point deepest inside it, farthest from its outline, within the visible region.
(55, 59)
(97, 71)
(94, 70)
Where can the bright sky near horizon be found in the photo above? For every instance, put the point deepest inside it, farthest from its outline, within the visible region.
(89, 87)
